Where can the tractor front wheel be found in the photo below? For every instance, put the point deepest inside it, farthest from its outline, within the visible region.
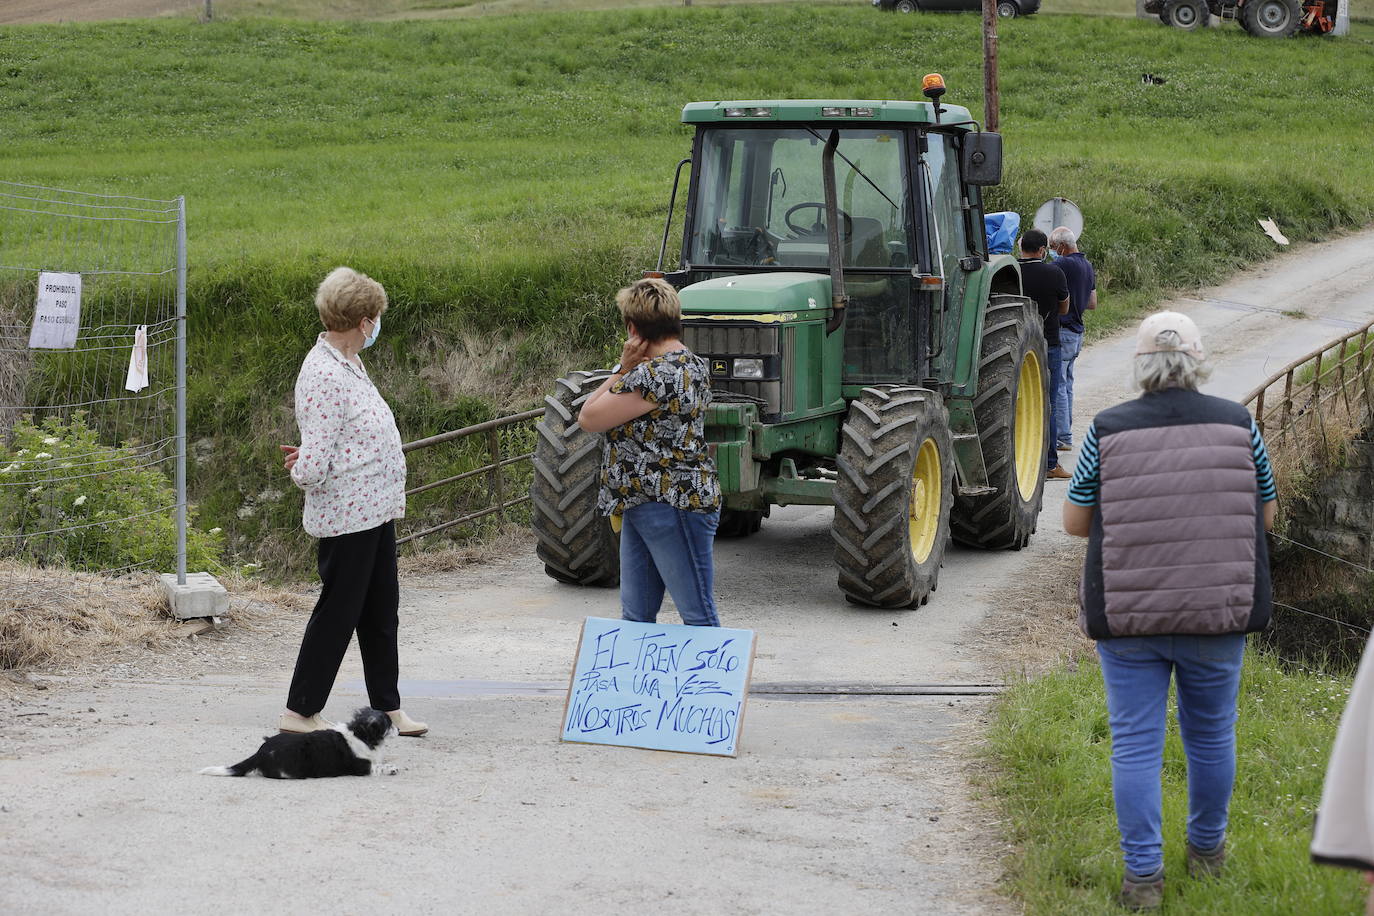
(740, 523)
(1188, 15)
(575, 541)
(893, 496)
(1012, 411)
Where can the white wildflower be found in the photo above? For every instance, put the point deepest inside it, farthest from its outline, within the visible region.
(51, 440)
(22, 452)
(10, 469)
(66, 464)
(80, 500)
(41, 455)
(35, 491)
(216, 530)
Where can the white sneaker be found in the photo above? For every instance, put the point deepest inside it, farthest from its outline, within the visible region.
(295, 725)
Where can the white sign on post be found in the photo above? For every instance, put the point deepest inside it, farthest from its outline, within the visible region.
(57, 316)
(664, 687)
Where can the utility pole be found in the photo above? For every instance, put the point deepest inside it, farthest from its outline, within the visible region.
(990, 64)
(209, 10)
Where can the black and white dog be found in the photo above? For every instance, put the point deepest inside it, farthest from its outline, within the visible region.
(344, 750)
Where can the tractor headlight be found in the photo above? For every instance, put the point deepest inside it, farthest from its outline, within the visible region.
(748, 368)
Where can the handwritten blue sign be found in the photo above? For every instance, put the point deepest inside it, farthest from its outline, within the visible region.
(659, 686)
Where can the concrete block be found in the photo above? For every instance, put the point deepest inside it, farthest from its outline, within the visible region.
(201, 596)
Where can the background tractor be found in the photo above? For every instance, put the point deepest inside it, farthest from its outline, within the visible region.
(865, 351)
(1261, 18)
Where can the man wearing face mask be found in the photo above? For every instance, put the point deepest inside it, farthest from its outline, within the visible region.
(350, 465)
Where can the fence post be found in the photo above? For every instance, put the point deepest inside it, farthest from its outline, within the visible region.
(181, 391)
(1360, 365)
(1340, 373)
(1287, 398)
(495, 483)
(1259, 411)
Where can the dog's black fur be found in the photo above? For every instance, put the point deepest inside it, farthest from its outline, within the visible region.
(327, 752)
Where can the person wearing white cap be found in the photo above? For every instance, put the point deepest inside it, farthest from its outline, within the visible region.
(1174, 492)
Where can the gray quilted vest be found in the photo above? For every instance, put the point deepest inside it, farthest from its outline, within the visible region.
(1177, 542)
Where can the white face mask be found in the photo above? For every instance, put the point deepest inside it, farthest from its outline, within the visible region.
(376, 329)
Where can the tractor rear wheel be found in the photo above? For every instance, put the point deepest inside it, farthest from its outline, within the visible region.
(740, 523)
(1188, 15)
(893, 496)
(575, 541)
(1013, 414)
(1271, 18)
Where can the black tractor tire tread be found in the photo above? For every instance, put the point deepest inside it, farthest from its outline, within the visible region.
(573, 540)
(739, 523)
(1001, 520)
(880, 439)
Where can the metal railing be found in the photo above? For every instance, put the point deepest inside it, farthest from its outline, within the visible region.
(1339, 371)
(497, 501)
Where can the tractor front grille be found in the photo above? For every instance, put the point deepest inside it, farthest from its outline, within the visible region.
(721, 343)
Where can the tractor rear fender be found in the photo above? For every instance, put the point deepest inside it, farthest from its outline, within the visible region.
(1000, 275)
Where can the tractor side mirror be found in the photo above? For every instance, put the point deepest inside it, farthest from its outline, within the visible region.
(983, 158)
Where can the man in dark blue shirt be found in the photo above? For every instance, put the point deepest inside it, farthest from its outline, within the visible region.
(1082, 280)
(1045, 284)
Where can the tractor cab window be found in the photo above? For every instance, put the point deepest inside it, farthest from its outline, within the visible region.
(760, 199)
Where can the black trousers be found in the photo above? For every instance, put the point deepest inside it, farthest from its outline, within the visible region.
(360, 594)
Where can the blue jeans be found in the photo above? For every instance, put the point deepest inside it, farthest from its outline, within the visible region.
(1071, 344)
(1136, 671)
(664, 546)
(1053, 354)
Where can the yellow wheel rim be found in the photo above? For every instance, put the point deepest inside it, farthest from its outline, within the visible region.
(923, 514)
(1028, 431)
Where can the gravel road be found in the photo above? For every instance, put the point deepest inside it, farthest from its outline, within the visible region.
(846, 804)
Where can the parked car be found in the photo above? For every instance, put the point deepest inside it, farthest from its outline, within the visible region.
(1006, 9)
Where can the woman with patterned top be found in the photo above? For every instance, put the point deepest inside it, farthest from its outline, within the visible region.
(657, 474)
(349, 464)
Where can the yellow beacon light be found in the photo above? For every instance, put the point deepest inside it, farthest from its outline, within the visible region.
(933, 86)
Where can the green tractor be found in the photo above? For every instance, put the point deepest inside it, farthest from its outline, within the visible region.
(865, 350)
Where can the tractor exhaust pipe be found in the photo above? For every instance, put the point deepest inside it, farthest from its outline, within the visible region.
(838, 300)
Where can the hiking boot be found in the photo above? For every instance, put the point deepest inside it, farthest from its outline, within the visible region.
(1206, 864)
(1058, 473)
(298, 725)
(1142, 893)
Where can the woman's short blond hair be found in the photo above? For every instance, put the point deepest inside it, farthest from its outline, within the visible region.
(653, 307)
(346, 297)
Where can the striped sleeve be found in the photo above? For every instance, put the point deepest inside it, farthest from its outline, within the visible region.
(1087, 477)
(1263, 472)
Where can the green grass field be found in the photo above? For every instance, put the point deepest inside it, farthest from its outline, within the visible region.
(1052, 752)
(504, 175)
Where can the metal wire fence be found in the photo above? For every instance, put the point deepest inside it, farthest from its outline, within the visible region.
(92, 381)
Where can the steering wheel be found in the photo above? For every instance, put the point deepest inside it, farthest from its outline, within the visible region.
(817, 227)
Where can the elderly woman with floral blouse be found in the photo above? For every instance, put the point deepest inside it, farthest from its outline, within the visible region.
(350, 465)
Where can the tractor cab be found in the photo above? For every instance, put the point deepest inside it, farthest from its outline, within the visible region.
(908, 222)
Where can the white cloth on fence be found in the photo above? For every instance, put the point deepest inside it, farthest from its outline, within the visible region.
(137, 378)
(350, 463)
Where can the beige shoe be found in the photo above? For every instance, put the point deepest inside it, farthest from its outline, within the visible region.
(295, 725)
(406, 725)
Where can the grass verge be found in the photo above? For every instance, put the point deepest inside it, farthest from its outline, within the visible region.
(502, 176)
(1051, 749)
